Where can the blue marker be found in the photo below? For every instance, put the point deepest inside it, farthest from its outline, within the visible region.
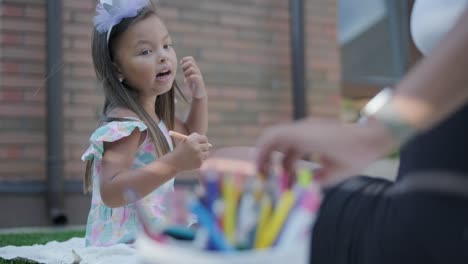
(211, 200)
(212, 192)
(205, 218)
(180, 233)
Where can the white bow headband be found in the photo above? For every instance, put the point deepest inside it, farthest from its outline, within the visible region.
(111, 12)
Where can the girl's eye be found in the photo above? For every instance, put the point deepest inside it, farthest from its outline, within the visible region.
(145, 52)
(167, 46)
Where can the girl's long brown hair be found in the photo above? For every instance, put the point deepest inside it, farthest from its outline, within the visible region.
(118, 94)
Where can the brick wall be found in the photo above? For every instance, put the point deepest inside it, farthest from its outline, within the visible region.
(22, 89)
(83, 99)
(323, 58)
(242, 46)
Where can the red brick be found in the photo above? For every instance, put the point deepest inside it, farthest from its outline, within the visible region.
(86, 72)
(76, 166)
(240, 45)
(21, 25)
(214, 117)
(87, 126)
(251, 131)
(85, 18)
(254, 59)
(32, 68)
(3, 154)
(87, 99)
(21, 167)
(219, 7)
(79, 58)
(185, 28)
(26, 2)
(15, 110)
(8, 10)
(215, 32)
(35, 12)
(198, 41)
(220, 56)
(281, 14)
(36, 95)
(80, 84)
(239, 93)
(86, 5)
(20, 137)
(34, 152)
(79, 112)
(269, 119)
(74, 138)
(198, 16)
(11, 95)
(10, 67)
(77, 30)
(67, 15)
(168, 12)
(22, 54)
(77, 152)
(82, 44)
(239, 21)
(216, 105)
(35, 40)
(19, 81)
(225, 129)
(257, 11)
(13, 152)
(10, 38)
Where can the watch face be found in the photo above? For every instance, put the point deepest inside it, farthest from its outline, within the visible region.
(377, 101)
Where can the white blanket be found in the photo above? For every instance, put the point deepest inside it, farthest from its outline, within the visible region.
(72, 251)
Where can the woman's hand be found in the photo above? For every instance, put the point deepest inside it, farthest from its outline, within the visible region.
(342, 149)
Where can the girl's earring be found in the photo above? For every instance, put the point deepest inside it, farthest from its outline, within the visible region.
(120, 79)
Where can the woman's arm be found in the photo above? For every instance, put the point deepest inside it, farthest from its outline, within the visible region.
(438, 86)
(434, 89)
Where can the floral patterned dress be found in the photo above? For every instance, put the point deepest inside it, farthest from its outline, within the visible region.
(109, 226)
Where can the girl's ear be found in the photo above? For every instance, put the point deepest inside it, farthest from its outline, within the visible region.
(119, 72)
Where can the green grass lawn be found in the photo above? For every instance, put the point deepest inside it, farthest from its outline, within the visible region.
(28, 239)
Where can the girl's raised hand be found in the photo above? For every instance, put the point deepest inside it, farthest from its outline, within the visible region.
(193, 77)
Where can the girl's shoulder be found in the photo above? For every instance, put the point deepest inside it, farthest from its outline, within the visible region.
(121, 113)
(118, 126)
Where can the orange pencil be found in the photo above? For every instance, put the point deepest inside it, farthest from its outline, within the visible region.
(181, 136)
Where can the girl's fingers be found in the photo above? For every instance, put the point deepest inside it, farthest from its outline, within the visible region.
(187, 65)
(204, 147)
(194, 77)
(202, 139)
(186, 62)
(188, 58)
(190, 72)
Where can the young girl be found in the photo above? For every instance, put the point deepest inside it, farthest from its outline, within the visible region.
(136, 64)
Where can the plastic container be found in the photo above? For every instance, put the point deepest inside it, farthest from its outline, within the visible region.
(153, 252)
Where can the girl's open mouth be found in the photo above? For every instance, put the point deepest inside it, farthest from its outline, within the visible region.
(163, 76)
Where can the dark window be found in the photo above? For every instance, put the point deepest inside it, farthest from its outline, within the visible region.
(374, 40)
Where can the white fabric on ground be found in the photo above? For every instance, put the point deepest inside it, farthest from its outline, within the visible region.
(62, 252)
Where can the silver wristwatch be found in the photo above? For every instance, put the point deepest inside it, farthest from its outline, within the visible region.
(381, 109)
